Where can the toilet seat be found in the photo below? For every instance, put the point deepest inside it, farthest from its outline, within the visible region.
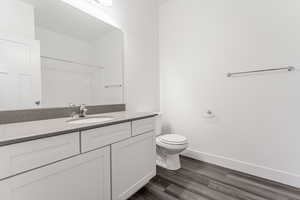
(173, 139)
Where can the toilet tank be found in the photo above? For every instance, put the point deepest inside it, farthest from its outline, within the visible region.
(158, 124)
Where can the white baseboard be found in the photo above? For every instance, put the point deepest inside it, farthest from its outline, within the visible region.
(249, 168)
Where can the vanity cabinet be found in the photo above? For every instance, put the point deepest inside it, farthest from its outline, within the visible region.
(25, 156)
(107, 163)
(133, 165)
(86, 176)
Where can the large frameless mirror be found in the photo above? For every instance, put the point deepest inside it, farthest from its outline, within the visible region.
(61, 57)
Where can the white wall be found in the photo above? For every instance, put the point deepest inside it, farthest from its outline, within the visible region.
(256, 128)
(138, 20)
(20, 17)
(110, 53)
(65, 47)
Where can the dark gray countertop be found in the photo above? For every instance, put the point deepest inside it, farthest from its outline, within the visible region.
(27, 131)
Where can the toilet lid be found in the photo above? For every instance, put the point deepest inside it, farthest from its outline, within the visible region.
(173, 139)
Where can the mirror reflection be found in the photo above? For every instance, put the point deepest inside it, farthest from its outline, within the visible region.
(66, 57)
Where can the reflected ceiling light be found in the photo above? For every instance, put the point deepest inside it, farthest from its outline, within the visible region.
(101, 2)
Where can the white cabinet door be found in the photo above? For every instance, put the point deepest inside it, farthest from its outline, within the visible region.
(84, 177)
(20, 73)
(133, 165)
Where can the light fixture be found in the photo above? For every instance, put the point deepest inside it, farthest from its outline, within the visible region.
(101, 2)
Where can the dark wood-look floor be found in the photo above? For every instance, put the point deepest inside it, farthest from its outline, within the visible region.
(202, 181)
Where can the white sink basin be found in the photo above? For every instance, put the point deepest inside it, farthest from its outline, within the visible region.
(90, 120)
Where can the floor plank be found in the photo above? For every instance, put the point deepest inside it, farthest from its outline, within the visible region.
(159, 192)
(183, 194)
(203, 181)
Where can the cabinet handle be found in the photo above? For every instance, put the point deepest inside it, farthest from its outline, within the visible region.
(37, 103)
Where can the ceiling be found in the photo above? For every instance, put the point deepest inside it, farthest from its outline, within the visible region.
(65, 19)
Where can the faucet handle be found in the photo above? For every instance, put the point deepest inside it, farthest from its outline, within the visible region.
(83, 110)
(72, 105)
(74, 115)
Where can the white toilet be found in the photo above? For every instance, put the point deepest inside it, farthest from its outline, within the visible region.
(169, 146)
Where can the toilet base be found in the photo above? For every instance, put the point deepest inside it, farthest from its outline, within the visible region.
(170, 162)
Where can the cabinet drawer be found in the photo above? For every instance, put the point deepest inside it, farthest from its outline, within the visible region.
(96, 138)
(143, 126)
(21, 157)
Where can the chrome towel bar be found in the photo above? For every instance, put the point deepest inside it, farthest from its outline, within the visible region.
(113, 86)
(289, 69)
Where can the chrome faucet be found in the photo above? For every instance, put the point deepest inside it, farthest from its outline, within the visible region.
(82, 111)
(73, 113)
